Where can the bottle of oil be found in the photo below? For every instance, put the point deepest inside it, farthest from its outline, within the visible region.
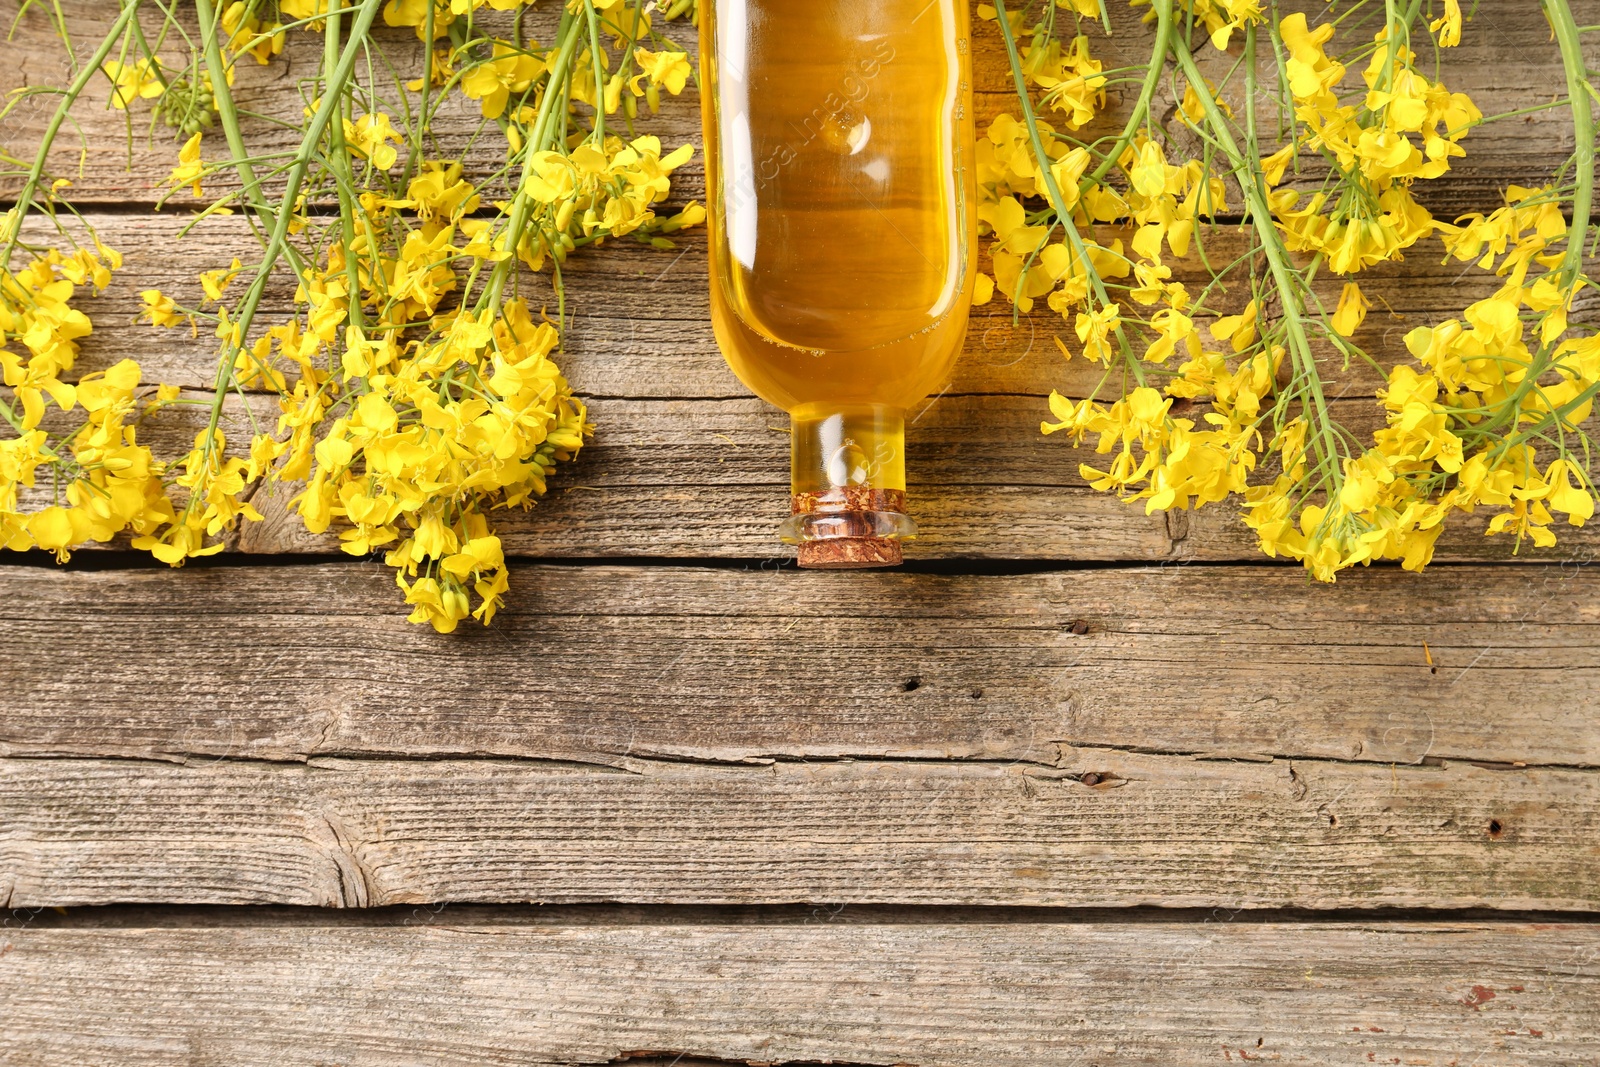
(838, 145)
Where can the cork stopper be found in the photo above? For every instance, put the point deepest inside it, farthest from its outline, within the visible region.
(850, 528)
(850, 553)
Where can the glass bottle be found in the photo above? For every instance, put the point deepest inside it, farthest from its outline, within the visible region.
(842, 222)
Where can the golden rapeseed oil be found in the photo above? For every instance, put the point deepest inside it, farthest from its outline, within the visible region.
(841, 201)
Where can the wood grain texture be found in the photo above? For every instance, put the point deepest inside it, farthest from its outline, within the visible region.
(1102, 829)
(687, 464)
(1501, 38)
(1050, 679)
(453, 989)
(1172, 735)
(709, 479)
(602, 663)
(641, 326)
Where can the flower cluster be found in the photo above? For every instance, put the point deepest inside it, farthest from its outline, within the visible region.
(103, 480)
(475, 416)
(410, 420)
(416, 386)
(1407, 129)
(1229, 402)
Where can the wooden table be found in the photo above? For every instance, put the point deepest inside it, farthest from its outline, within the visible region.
(1076, 786)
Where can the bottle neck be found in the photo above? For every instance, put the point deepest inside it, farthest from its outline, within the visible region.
(849, 448)
(848, 478)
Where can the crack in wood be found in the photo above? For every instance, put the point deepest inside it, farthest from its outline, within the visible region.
(636, 761)
(656, 1058)
(330, 835)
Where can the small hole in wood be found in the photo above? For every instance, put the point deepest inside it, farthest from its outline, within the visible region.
(1079, 627)
(1333, 820)
(976, 694)
(1098, 777)
(912, 684)
(1495, 829)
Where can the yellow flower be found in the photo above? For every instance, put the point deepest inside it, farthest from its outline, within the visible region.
(413, 13)
(1448, 25)
(1364, 481)
(491, 82)
(1351, 312)
(1193, 107)
(478, 555)
(1172, 328)
(439, 190)
(1311, 72)
(982, 290)
(1564, 496)
(1071, 78)
(1273, 166)
(1240, 328)
(159, 310)
(369, 136)
(246, 32)
(1076, 417)
(442, 605)
(131, 81)
(1149, 172)
(215, 282)
(53, 530)
(1222, 17)
(189, 168)
(1094, 330)
(300, 10)
(666, 70)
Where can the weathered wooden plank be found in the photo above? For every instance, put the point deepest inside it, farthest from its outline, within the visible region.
(581, 520)
(463, 988)
(709, 480)
(706, 479)
(110, 160)
(598, 664)
(1104, 829)
(1500, 38)
(687, 464)
(642, 322)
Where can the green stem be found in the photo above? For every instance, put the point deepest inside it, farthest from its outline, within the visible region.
(30, 185)
(228, 116)
(416, 159)
(522, 203)
(1141, 106)
(1391, 43)
(333, 91)
(595, 53)
(1260, 211)
(343, 177)
(1057, 201)
(1583, 128)
(222, 95)
(1566, 32)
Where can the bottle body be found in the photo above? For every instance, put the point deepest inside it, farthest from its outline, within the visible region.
(842, 224)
